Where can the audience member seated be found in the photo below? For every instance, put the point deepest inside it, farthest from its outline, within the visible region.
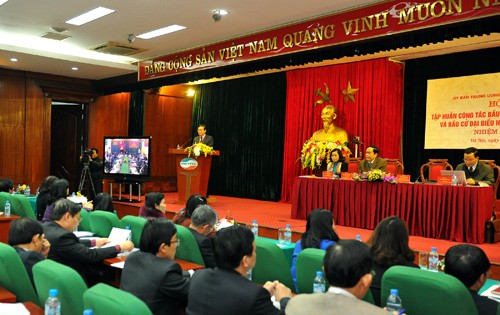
(372, 161)
(347, 265)
(42, 200)
(27, 238)
(470, 265)
(320, 233)
(184, 216)
(475, 171)
(337, 163)
(6, 185)
(151, 273)
(389, 246)
(67, 249)
(225, 289)
(154, 206)
(203, 222)
(59, 190)
(104, 202)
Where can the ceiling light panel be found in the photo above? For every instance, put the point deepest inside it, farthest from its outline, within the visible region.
(3, 1)
(90, 16)
(162, 31)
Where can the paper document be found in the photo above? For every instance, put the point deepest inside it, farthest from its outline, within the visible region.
(13, 309)
(118, 236)
(80, 234)
(490, 295)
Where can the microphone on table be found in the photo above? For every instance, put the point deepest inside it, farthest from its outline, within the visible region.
(182, 146)
(416, 180)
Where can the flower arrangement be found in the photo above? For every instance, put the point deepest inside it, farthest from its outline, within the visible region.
(313, 153)
(21, 188)
(375, 176)
(199, 148)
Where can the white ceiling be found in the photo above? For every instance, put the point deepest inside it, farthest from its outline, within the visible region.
(22, 22)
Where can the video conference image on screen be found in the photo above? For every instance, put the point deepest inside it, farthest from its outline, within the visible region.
(126, 156)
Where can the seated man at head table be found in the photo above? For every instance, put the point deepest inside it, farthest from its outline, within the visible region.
(470, 265)
(347, 265)
(225, 290)
(475, 171)
(372, 161)
(151, 273)
(203, 222)
(67, 249)
(27, 238)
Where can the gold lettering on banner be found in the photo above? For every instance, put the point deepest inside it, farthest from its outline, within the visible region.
(206, 57)
(486, 4)
(155, 68)
(315, 35)
(231, 52)
(365, 24)
(263, 45)
(180, 63)
(430, 9)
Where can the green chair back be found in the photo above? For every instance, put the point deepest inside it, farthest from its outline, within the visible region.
(85, 224)
(20, 206)
(105, 300)
(136, 226)
(4, 197)
(271, 264)
(102, 222)
(309, 261)
(189, 249)
(49, 274)
(425, 292)
(14, 277)
(369, 297)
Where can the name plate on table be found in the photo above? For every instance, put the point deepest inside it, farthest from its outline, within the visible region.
(444, 180)
(327, 174)
(403, 178)
(345, 175)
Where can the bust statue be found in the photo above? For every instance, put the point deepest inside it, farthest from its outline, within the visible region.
(330, 132)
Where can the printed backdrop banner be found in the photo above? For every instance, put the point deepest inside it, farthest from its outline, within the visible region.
(463, 112)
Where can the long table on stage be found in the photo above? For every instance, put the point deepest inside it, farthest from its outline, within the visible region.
(452, 213)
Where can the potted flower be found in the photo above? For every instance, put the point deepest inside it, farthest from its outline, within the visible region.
(199, 148)
(314, 153)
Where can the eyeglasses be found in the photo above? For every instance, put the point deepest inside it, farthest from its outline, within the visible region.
(80, 219)
(177, 241)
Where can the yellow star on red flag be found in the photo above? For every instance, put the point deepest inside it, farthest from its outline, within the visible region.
(349, 93)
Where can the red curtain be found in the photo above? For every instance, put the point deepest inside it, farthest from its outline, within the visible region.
(375, 116)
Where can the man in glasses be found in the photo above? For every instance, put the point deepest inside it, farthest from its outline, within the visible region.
(203, 221)
(476, 171)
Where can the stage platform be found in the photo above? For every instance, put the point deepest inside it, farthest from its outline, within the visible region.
(274, 215)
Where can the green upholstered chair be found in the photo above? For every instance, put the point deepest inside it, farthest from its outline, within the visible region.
(188, 250)
(136, 226)
(4, 197)
(369, 297)
(309, 261)
(104, 300)
(13, 275)
(102, 222)
(426, 292)
(271, 264)
(20, 206)
(85, 223)
(49, 274)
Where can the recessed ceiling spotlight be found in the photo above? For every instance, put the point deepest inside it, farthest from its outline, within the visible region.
(190, 92)
(13, 59)
(74, 68)
(218, 14)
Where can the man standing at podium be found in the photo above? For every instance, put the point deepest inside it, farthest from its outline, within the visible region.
(203, 137)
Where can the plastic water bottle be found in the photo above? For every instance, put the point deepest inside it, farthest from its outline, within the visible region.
(358, 237)
(129, 238)
(255, 228)
(288, 234)
(454, 180)
(178, 146)
(319, 285)
(88, 312)
(27, 191)
(53, 305)
(433, 260)
(394, 301)
(7, 208)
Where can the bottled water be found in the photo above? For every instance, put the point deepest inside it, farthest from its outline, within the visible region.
(52, 305)
(7, 208)
(433, 260)
(178, 146)
(27, 191)
(129, 238)
(358, 237)
(255, 228)
(454, 180)
(319, 285)
(394, 301)
(288, 234)
(88, 312)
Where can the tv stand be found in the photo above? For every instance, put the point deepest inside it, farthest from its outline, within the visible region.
(131, 185)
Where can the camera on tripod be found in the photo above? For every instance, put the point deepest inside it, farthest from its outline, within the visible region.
(87, 153)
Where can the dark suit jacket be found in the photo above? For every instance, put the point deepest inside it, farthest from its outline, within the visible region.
(376, 285)
(29, 258)
(206, 248)
(483, 172)
(378, 163)
(67, 249)
(226, 292)
(484, 305)
(208, 140)
(158, 282)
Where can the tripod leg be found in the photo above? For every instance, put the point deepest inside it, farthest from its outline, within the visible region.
(82, 179)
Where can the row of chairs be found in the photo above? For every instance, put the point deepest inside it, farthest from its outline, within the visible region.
(74, 294)
(19, 204)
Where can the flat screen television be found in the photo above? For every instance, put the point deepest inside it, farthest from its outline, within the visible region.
(127, 159)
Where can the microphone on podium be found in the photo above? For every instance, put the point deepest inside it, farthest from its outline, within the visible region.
(182, 146)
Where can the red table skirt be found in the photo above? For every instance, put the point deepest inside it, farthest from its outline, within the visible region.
(452, 213)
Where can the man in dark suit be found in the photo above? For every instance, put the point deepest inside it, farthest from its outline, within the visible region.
(67, 249)
(476, 171)
(225, 289)
(347, 265)
(372, 161)
(151, 273)
(470, 265)
(203, 221)
(203, 137)
(27, 238)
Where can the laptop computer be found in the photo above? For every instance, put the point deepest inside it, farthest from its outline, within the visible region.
(461, 180)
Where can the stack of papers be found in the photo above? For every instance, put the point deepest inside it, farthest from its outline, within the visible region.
(488, 293)
(13, 309)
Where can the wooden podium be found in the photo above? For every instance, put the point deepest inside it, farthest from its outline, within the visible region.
(192, 181)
